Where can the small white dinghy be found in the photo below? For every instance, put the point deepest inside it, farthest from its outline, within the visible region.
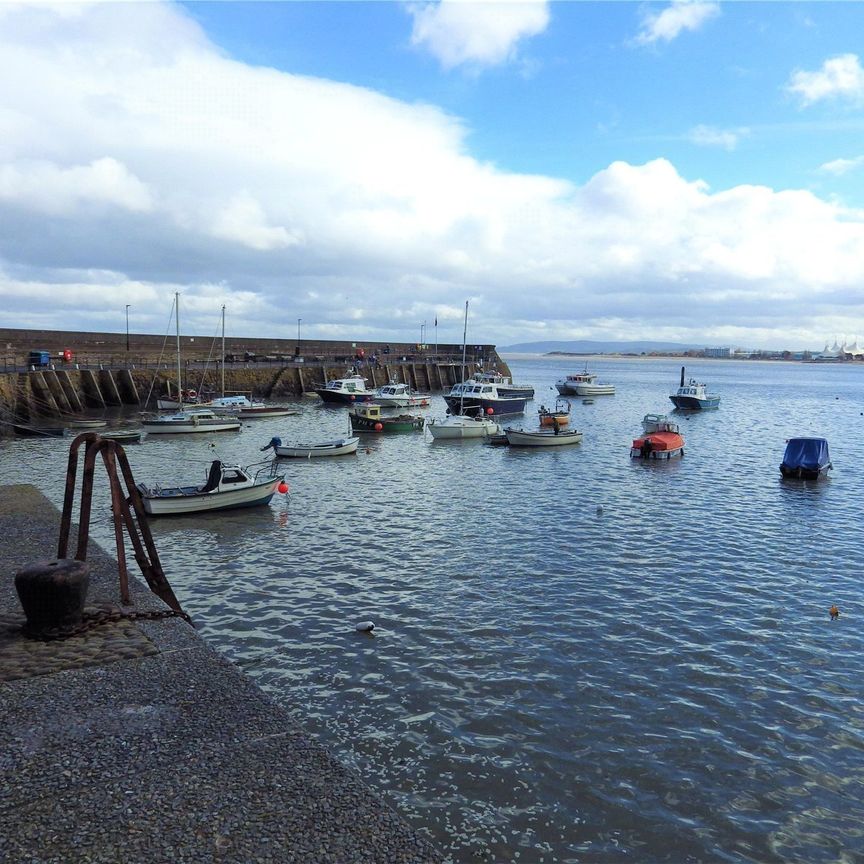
(340, 447)
(542, 438)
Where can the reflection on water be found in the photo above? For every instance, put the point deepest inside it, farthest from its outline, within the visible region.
(577, 657)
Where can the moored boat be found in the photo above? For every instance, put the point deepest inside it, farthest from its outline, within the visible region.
(227, 487)
(84, 423)
(396, 395)
(261, 411)
(542, 438)
(27, 431)
(122, 436)
(661, 439)
(340, 447)
(472, 397)
(192, 420)
(346, 391)
(459, 426)
(584, 384)
(693, 396)
(504, 383)
(558, 416)
(368, 418)
(806, 459)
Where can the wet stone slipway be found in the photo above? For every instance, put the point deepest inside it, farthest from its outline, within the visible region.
(137, 742)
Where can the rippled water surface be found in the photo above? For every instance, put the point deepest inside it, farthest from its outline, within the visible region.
(577, 657)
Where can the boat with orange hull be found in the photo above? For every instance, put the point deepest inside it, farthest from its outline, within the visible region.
(661, 439)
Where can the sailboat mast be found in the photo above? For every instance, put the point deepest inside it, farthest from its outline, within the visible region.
(464, 340)
(177, 322)
(223, 351)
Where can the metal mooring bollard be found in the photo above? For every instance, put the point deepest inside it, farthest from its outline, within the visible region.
(52, 592)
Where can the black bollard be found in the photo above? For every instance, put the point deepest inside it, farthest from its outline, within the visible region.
(53, 592)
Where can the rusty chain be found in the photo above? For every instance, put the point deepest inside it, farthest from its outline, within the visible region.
(99, 616)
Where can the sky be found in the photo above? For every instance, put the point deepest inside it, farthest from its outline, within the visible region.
(686, 171)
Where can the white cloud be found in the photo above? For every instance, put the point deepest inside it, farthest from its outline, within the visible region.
(708, 136)
(141, 160)
(476, 32)
(51, 188)
(840, 77)
(838, 167)
(681, 15)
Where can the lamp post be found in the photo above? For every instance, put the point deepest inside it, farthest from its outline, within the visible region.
(127, 333)
(298, 336)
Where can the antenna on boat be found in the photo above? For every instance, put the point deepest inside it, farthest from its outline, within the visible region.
(464, 372)
(223, 349)
(682, 376)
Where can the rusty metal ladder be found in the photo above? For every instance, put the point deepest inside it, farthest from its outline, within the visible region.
(137, 528)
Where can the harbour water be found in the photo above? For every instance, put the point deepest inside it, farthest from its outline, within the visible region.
(577, 657)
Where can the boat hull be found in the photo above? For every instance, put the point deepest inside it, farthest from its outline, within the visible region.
(334, 397)
(162, 427)
(636, 453)
(263, 413)
(385, 425)
(798, 472)
(520, 438)
(474, 404)
(458, 428)
(37, 432)
(594, 389)
(691, 403)
(313, 451)
(188, 503)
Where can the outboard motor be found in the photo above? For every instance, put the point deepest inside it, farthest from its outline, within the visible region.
(274, 443)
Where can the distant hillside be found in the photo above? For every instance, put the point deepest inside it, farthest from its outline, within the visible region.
(584, 346)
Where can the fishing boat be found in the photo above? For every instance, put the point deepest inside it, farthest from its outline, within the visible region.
(346, 391)
(476, 397)
(368, 418)
(340, 447)
(542, 438)
(693, 396)
(584, 384)
(806, 459)
(504, 383)
(661, 439)
(459, 424)
(261, 411)
(558, 416)
(122, 436)
(227, 487)
(190, 420)
(86, 424)
(395, 395)
(26, 431)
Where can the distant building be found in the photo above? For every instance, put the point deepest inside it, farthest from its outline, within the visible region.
(718, 352)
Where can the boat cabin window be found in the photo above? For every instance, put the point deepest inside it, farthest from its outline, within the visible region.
(487, 390)
(232, 477)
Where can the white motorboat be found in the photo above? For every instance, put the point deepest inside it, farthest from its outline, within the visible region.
(458, 426)
(395, 395)
(227, 487)
(542, 438)
(340, 447)
(584, 384)
(190, 420)
(505, 384)
(261, 411)
(346, 391)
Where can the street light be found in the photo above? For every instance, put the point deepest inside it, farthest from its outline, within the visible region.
(127, 331)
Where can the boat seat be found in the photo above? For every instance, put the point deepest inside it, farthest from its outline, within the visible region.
(213, 478)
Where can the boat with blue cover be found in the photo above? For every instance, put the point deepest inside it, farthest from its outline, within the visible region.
(806, 459)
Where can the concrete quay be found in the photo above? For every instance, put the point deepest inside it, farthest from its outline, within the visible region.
(137, 742)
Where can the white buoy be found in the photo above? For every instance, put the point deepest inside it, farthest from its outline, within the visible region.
(364, 626)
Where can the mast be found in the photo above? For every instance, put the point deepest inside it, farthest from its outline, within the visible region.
(223, 351)
(177, 321)
(464, 340)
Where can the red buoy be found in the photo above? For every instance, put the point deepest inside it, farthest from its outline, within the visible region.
(379, 427)
(489, 411)
(283, 487)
